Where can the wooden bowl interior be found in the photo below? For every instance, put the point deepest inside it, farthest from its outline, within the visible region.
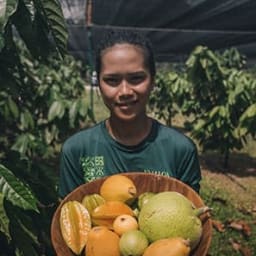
(144, 182)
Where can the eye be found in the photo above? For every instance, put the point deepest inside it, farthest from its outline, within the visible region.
(112, 80)
(136, 78)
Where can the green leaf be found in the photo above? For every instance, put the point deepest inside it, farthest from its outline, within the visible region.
(4, 220)
(13, 107)
(26, 120)
(214, 111)
(73, 112)
(57, 25)
(57, 109)
(249, 113)
(7, 8)
(22, 143)
(15, 191)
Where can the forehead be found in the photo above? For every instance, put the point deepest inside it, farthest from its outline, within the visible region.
(122, 57)
(122, 49)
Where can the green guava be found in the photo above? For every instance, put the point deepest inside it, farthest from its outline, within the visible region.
(133, 243)
(144, 197)
(170, 214)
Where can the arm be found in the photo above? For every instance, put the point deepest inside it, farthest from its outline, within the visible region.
(70, 171)
(189, 169)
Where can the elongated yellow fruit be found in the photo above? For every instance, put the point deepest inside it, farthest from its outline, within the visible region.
(75, 224)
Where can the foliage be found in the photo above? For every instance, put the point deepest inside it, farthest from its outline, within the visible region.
(41, 102)
(223, 96)
(48, 108)
(170, 91)
(217, 92)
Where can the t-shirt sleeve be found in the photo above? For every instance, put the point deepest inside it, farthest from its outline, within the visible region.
(189, 169)
(70, 173)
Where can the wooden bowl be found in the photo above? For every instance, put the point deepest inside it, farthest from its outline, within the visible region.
(144, 182)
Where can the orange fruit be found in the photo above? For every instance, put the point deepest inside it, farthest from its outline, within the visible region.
(175, 246)
(102, 241)
(124, 223)
(118, 187)
(105, 214)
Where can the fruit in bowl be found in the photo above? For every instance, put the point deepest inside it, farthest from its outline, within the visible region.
(152, 186)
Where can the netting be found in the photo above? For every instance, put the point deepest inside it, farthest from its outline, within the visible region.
(174, 27)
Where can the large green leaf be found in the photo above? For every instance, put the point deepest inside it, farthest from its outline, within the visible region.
(15, 191)
(56, 23)
(4, 220)
(57, 109)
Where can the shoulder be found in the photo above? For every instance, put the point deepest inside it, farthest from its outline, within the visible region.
(171, 135)
(82, 138)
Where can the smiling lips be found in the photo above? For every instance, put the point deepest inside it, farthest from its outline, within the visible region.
(126, 104)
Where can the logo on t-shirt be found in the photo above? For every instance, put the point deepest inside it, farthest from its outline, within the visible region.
(92, 167)
(164, 173)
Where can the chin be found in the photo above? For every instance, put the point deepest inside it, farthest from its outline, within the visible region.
(125, 117)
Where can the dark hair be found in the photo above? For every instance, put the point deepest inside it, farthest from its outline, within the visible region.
(113, 37)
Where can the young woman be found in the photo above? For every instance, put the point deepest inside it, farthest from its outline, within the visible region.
(129, 140)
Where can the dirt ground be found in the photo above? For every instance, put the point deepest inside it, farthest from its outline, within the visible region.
(239, 179)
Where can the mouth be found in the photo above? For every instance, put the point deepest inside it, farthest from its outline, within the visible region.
(125, 105)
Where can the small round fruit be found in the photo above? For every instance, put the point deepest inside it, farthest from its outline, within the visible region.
(133, 243)
(124, 223)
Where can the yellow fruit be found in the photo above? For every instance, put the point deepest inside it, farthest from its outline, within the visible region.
(105, 214)
(124, 223)
(102, 242)
(75, 224)
(92, 201)
(118, 188)
(168, 247)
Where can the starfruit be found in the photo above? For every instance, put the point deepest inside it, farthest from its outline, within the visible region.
(91, 201)
(75, 224)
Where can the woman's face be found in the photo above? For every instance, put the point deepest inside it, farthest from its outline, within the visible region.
(125, 83)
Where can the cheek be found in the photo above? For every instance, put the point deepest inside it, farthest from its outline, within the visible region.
(108, 94)
(144, 91)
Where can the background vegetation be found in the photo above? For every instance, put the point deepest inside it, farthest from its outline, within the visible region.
(43, 100)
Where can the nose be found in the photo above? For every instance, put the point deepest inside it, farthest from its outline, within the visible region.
(125, 88)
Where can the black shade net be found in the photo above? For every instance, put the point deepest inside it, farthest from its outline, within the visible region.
(174, 27)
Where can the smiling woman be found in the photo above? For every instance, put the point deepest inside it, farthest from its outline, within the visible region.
(128, 139)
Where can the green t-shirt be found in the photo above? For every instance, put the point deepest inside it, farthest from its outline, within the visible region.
(93, 153)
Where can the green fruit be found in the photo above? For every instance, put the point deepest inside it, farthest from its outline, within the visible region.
(170, 214)
(133, 243)
(144, 197)
(92, 201)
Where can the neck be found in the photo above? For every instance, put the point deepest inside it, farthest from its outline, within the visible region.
(129, 133)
